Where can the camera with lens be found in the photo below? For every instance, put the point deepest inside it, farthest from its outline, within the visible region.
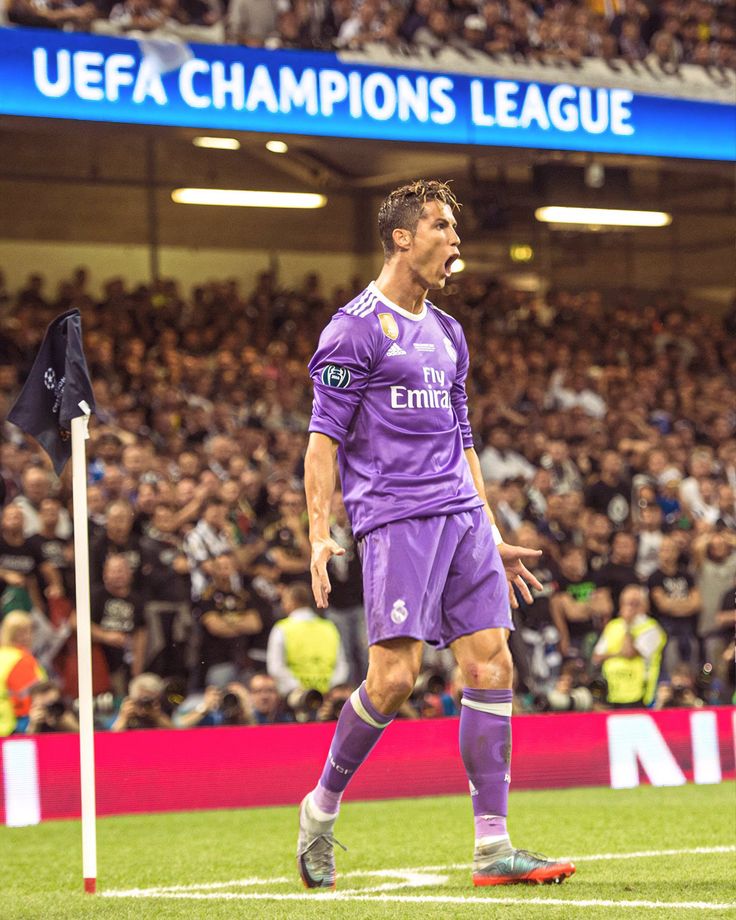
(231, 709)
(55, 710)
(304, 703)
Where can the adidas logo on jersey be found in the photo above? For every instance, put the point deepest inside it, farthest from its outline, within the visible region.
(394, 350)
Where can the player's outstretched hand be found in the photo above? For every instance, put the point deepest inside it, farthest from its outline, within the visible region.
(322, 551)
(518, 575)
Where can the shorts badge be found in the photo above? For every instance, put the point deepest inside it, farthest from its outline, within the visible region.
(399, 612)
(389, 325)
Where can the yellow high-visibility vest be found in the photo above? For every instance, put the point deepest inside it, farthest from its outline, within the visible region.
(311, 650)
(631, 679)
(9, 658)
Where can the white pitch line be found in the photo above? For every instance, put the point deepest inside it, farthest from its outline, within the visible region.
(413, 877)
(444, 899)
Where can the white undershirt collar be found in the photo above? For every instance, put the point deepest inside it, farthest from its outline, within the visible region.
(415, 317)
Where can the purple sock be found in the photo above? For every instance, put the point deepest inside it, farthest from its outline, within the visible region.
(358, 729)
(485, 746)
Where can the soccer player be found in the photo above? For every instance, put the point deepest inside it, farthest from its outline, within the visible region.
(390, 411)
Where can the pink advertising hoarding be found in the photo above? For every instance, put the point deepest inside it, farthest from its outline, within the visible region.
(151, 771)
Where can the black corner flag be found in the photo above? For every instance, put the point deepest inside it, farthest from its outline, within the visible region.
(57, 390)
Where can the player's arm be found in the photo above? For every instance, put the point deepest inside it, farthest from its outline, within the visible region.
(513, 557)
(320, 475)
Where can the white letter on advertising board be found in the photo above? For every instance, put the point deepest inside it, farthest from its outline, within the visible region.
(706, 755)
(634, 740)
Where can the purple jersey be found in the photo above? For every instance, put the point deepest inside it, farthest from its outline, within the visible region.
(389, 386)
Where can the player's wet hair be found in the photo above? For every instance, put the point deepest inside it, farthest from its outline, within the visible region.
(403, 207)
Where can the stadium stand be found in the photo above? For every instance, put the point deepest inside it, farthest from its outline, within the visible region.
(662, 36)
(607, 435)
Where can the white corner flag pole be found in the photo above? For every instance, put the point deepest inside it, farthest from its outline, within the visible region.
(84, 650)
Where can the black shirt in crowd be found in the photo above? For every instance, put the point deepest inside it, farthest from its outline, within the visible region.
(121, 614)
(676, 587)
(218, 649)
(615, 577)
(57, 552)
(102, 546)
(613, 501)
(160, 582)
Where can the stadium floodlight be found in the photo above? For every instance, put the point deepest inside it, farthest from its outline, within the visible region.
(603, 217)
(457, 266)
(277, 146)
(217, 143)
(247, 198)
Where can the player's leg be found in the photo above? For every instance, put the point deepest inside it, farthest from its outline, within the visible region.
(403, 575)
(485, 746)
(476, 624)
(393, 667)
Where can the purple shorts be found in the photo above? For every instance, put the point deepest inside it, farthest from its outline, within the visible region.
(434, 578)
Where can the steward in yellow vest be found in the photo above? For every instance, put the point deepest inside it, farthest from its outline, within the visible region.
(630, 651)
(304, 649)
(19, 670)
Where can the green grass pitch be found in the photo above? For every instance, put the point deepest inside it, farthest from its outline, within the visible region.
(408, 860)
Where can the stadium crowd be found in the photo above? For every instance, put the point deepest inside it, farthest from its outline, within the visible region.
(662, 35)
(606, 430)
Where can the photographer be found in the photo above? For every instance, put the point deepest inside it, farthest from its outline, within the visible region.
(48, 712)
(229, 705)
(142, 707)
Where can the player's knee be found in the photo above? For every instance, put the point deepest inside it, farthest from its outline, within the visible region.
(492, 670)
(391, 688)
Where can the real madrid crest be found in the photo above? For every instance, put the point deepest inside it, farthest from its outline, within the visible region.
(389, 325)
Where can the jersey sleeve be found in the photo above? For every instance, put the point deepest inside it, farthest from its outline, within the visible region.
(459, 394)
(340, 370)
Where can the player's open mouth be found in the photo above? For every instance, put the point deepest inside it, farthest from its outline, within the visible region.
(448, 265)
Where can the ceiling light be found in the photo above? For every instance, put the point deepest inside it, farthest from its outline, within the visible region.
(217, 143)
(277, 146)
(603, 217)
(244, 198)
(457, 266)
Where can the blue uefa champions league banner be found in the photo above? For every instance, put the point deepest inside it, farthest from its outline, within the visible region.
(58, 75)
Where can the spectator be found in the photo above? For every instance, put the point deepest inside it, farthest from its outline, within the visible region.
(675, 603)
(579, 608)
(22, 566)
(609, 492)
(287, 540)
(620, 570)
(167, 595)
(629, 651)
(117, 539)
(251, 22)
(266, 705)
(304, 649)
(346, 598)
(209, 538)
(142, 707)
(498, 462)
(650, 537)
(19, 671)
(229, 617)
(36, 486)
(118, 622)
(714, 559)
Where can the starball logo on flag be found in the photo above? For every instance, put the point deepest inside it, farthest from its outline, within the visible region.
(57, 390)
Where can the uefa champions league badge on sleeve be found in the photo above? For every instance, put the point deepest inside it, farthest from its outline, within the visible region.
(335, 376)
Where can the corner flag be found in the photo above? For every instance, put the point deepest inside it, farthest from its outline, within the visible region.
(57, 390)
(54, 406)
